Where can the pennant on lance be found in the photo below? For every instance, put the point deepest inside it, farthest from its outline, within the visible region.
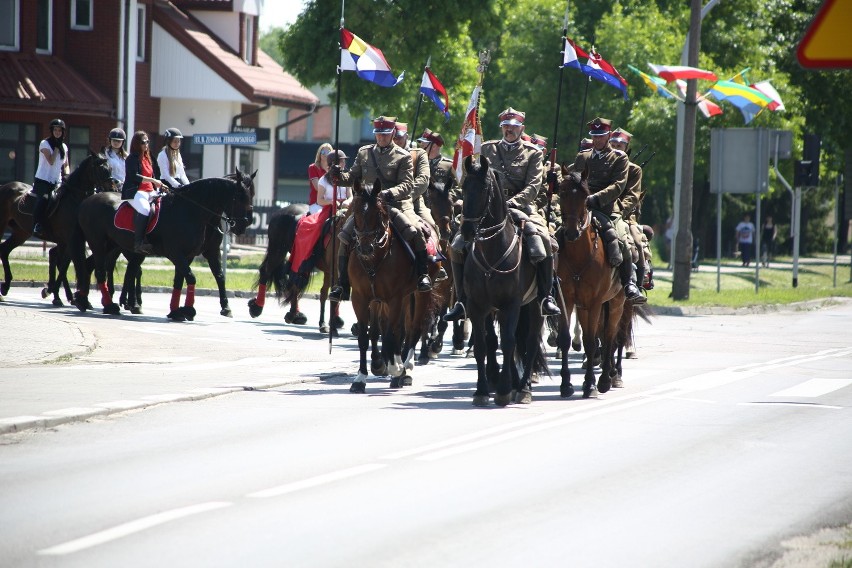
(367, 61)
(435, 91)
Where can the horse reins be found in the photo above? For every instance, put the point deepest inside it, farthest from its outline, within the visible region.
(479, 236)
(222, 216)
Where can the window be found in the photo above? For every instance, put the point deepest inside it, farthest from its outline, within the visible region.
(44, 27)
(10, 26)
(81, 14)
(18, 151)
(248, 47)
(140, 33)
(78, 144)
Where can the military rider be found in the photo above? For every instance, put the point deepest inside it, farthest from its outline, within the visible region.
(518, 164)
(607, 178)
(392, 165)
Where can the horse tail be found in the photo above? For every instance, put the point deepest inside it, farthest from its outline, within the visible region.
(632, 312)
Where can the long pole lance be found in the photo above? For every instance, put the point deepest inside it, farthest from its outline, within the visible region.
(419, 103)
(551, 182)
(334, 183)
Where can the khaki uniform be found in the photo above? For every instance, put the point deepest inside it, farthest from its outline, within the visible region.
(519, 167)
(630, 205)
(422, 174)
(393, 166)
(441, 171)
(607, 179)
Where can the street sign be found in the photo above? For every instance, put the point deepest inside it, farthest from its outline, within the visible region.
(262, 136)
(240, 138)
(739, 160)
(827, 44)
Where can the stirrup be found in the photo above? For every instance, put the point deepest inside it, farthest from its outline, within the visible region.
(37, 229)
(441, 275)
(423, 283)
(457, 313)
(548, 307)
(338, 294)
(633, 295)
(144, 248)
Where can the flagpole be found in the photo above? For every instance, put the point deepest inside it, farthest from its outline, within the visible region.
(419, 102)
(583, 114)
(551, 185)
(334, 182)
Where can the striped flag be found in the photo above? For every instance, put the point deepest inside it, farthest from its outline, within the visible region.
(470, 139)
(367, 61)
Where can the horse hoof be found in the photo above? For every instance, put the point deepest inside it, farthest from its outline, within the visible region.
(226, 312)
(254, 309)
(395, 383)
(502, 399)
(358, 387)
(480, 400)
(44, 293)
(189, 312)
(324, 329)
(534, 378)
(336, 322)
(433, 354)
(176, 315)
(136, 310)
(589, 389)
(299, 318)
(436, 348)
(406, 380)
(458, 351)
(575, 345)
(57, 303)
(379, 369)
(354, 329)
(566, 391)
(617, 382)
(423, 360)
(551, 339)
(631, 354)
(4, 289)
(604, 385)
(112, 309)
(523, 397)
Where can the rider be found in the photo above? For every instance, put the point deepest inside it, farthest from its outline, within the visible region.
(440, 167)
(422, 174)
(116, 154)
(392, 165)
(518, 164)
(170, 161)
(607, 178)
(142, 177)
(52, 166)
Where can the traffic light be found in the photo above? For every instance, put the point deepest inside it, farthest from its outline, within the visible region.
(808, 167)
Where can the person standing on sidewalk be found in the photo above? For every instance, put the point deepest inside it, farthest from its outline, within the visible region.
(745, 239)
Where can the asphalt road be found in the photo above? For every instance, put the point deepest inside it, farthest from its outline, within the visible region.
(731, 436)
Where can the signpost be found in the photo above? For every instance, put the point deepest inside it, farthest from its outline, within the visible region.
(239, 138)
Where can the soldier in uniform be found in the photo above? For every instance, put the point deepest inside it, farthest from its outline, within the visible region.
(518, 165)
(607, 178)
(630, 202)
(392, 165)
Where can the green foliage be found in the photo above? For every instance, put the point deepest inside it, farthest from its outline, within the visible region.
(269, 43)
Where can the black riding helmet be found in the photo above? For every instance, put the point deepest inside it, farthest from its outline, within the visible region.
(117, 134)
(334, 157)
(172, 133)
(57, 122)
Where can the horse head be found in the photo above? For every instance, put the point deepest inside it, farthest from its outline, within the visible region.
(92, 174)
(573, 192)
(241, 213)
(372, 223)
(482, 197)
(440, 203)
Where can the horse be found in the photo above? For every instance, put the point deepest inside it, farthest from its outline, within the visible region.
(178, 235)
(273, 270)
(587, 282)
(16, 210)
(498, 276)
(381, 271)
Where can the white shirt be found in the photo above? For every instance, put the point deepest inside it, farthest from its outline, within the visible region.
(47, 172)
(327, 189)
(165, 174)
(745, 232)
(116, 165)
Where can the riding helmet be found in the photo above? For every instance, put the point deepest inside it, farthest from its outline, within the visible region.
(57, 122)
(117, 134)
(334, 157)
(172, 133)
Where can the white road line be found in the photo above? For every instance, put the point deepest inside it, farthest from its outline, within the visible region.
(316, 481)
(796, 404)
(814, 388)
(132, 527)
(141, 329)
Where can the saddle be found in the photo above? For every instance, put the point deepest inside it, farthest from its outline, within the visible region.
(432, 248)
(124, 216)
(26, 205)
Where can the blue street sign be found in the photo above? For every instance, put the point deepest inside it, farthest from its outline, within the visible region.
(240, 138)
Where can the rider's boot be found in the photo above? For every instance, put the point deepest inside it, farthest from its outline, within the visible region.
(340, 292)
(441, 274)
(631, 290)
(38, 215)
(458, 311)
(140, 222)
(648, 284)
(544, 279)
(610, 239)
(424, 284)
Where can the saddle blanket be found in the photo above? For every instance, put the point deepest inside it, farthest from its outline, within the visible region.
(124, 216)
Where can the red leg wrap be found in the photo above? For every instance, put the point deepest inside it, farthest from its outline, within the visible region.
(190, 295)
(106, 299)
(175, 303)
(261, 295)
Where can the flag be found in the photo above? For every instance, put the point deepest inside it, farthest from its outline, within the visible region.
(432, 88)
(749, 101)
(656, 84)
(672, 73)
(368, 61)
(595, 67)
(707, 107)
(767, 89)
(741, 77)
(470, 138)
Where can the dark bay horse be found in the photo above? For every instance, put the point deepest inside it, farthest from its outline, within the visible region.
(179, 234)
(16, 209)
(382, 277)
(589, 283)
(499, 277)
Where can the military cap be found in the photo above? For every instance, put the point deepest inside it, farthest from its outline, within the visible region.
(539, 140)
(401, 129)
(599, 126)
(621, 135)
(512, 116)
(433, 137)
(384, 124)
(526, 137)
(585, 143)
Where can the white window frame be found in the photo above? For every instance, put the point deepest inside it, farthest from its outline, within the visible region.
(249, 39)
(85, 27)
(140, 32)
(49, 48)
(16, 21)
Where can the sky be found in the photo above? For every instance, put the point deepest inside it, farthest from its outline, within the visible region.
(279, 13)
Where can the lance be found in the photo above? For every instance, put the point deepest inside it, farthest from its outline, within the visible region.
(551, 184)
(639, 153)
(334, 182)
(419, 102)
(648, 160)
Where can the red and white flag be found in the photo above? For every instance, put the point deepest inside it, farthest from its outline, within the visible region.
(470, 138)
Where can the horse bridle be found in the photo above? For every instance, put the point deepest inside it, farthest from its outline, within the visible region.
(482, 234)
(227, 217)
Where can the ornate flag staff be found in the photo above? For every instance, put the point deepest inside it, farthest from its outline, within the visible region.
(334, 181)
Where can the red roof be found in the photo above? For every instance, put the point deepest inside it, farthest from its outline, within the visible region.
(258, 83)
(27, 79)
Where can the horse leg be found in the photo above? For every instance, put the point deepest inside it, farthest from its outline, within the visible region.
(214, 261)
(508, 319)
(378, 363)
(15, 240)
(336, 321)
(362, 315)
(492, 367)
(589, 318)
(176, 312)
(481, 395)
(323, 327)
(533, 357)
(294, 316)
(576, 342)
(53, 284)
(110, 307)
(566, 389)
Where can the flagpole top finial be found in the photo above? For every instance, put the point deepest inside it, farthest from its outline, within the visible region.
(484, 60)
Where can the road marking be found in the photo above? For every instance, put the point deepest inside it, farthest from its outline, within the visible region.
(140, 329)
(316, 481)
(798, 404)
(814, 388)
(132, 527)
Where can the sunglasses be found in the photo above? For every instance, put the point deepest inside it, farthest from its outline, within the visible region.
(144, 141)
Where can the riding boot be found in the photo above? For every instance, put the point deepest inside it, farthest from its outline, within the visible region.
(340, 292)
(441, 275)
(648, 284)
(613, 247)
(140, 223)
(38, 215)
(458, 312)
(544, 279)
(631, 290)
(424, 284)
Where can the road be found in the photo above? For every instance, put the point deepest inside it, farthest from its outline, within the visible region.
(731, 436)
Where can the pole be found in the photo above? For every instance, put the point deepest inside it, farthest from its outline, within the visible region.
(334, 185)
(583, 114)
(718, 242)
(551, 185)
(837, 217)
(413, 133)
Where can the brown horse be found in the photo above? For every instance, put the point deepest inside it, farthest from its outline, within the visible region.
(382, 276)
(587, 282)
(16, 213)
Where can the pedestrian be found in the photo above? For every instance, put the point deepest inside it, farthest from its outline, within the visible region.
(607, 178)
(745, 239)
(170, 161)
(668, 235)
(315, 172)
(53, 165)
(519, 166)
(142, 176)
(768, 234)
(391, 165)
(116, 154)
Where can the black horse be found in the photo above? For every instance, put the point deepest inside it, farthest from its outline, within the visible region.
(179, 234)
(499, 276)
(16, 210)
